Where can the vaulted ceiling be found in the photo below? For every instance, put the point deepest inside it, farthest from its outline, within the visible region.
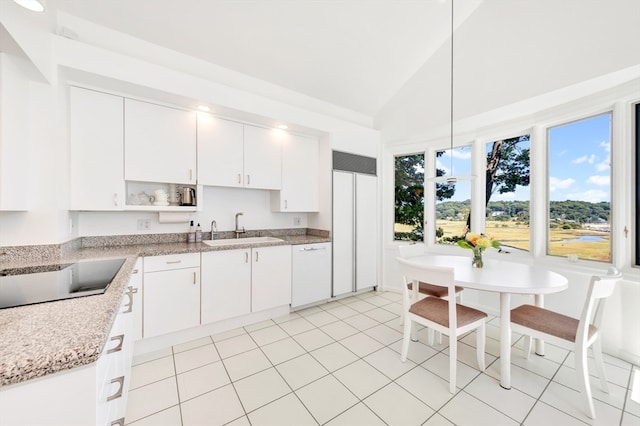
(379, 57)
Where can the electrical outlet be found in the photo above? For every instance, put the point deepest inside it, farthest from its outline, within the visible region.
(144, 224)
(296, 221)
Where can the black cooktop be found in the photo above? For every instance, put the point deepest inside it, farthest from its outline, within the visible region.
(46, 283)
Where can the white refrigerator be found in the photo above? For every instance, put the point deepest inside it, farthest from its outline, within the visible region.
(354, 232)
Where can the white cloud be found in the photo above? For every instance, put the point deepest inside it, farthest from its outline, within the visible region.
(606, 145)
(461, 154)
(588, 159)
(600, 180)
(604, 165)
(592, 195)
(555, 183)
(506, 196)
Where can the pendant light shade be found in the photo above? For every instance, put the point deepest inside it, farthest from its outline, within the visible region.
(451, 179)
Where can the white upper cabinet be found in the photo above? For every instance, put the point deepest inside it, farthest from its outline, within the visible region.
(160, 143)
(220, 151)
(300, 181)
(263, 157)
(96, 134)
(238, 155)
(14, 135)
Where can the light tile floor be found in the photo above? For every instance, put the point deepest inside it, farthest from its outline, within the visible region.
(339, 364)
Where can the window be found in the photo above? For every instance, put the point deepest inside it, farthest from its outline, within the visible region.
(637, 134)
(453, 200)
(579, 185)
(409, 197)
(507, 191)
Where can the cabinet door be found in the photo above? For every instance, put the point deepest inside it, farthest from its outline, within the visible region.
(262, 158)
(300, 190)
(159, 143)
(96, 175)
(171, 301)
(270, 277)
(343, 233)
(220, 151)
(226, 284)
(366, 231)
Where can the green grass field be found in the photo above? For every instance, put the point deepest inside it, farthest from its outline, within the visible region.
(513, 234)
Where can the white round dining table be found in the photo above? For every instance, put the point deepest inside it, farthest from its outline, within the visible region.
(506, 278)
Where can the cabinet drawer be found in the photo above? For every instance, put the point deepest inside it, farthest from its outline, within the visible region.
(171, 261)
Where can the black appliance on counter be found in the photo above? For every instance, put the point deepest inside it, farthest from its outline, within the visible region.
(47, 283)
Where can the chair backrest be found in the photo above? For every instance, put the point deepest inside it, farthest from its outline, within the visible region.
(437, 275)
(600, 288)
(411, 250)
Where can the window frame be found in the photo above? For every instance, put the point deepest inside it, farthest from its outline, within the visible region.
(612, 113)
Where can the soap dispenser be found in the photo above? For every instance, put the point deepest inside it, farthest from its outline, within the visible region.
(198, 234)
(191, 235)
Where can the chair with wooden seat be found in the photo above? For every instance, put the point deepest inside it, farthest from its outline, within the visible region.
(570, 333)
(442, 315)
(424, 288)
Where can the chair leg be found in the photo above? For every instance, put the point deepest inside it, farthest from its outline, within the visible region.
(526, 348)
(453, 359)
(405, 338)
(480, 342)
(582, 373)
(597, 355)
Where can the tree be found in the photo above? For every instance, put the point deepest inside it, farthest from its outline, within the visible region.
(409, 194)
(507, 166)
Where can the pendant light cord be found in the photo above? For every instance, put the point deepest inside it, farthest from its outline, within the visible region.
(451, 95)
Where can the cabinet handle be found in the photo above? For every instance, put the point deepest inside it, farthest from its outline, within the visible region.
(130, 292)
(285, 205)
(118, 394)
(169, 262)
(118, 422)
(118, 348)
(256, 256)
(115, 199)
(239, 178)
(190, 175)
(313, 248)
(248, 179)
(246, 257)
(194, 278)
(135, 271)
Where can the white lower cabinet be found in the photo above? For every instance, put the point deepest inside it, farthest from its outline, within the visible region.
(171, 293)
(87, 395)
(270, 277)
(226, 284)
(238, 282)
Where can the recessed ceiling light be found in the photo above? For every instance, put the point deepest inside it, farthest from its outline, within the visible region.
(34, 5)
(283, 126)
(204, 108)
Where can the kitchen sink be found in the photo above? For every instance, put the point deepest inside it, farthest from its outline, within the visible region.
(241, 241)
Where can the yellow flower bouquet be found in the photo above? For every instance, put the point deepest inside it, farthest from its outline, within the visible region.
(478, 243)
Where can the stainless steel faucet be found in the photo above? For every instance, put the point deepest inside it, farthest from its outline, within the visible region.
(239, 230)
(214, 228)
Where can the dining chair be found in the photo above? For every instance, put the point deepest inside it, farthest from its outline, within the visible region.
(444, 316)
(424, 288)
(570, 333)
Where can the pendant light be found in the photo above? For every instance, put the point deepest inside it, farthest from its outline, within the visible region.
(32, 5)
(451, 179)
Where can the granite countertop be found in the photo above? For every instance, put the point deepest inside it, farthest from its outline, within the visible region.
(46, 338)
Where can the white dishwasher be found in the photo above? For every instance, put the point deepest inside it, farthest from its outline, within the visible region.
(310, 273)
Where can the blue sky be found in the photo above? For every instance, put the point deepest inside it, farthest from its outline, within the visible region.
(579, 160)
(579, 169)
